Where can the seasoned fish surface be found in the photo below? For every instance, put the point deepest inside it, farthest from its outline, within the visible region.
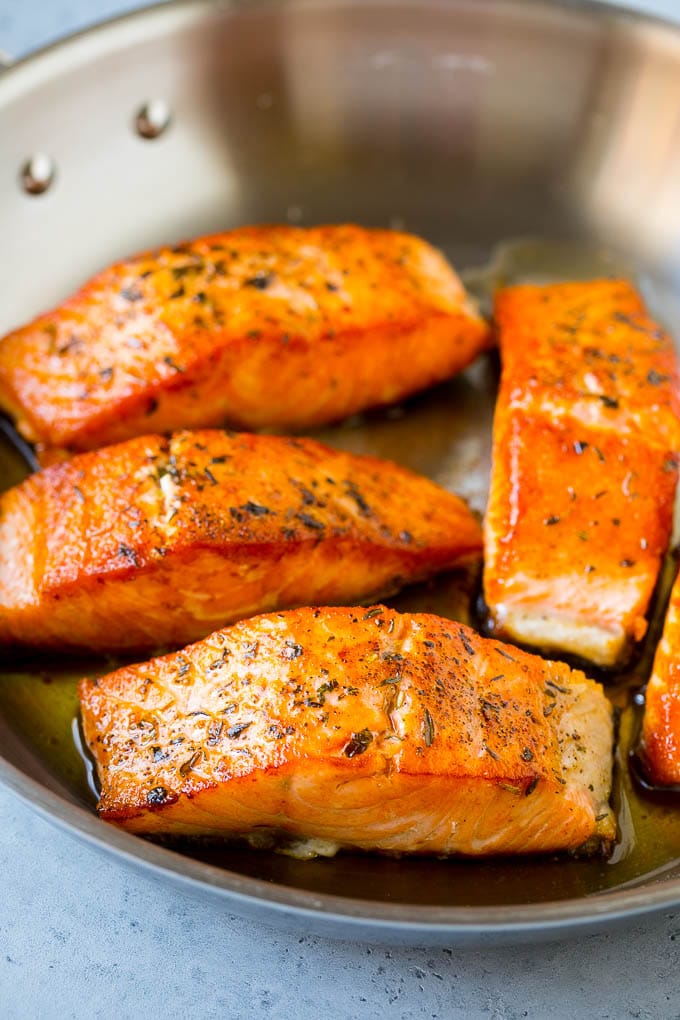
(279, 327)
(584, 468)
(355, 728)
(661, 724)
(160, 540)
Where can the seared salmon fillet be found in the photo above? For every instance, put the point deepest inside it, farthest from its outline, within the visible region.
(586, 433)
(160, 540)
(661, 722)
(278, 327)
(355, 728)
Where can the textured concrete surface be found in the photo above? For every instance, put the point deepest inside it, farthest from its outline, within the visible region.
(83, 936)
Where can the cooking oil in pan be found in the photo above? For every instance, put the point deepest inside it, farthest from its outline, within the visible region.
(446, 435)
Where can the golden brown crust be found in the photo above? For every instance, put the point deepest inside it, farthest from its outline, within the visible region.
(291, 719)
(584, 468)
(661, 724)
(275, 326)
(160, 540)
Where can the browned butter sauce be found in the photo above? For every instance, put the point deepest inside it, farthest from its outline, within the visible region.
(445, 434)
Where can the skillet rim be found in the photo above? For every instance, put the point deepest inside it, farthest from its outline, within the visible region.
(338, 916)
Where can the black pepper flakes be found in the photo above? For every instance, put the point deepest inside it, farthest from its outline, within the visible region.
(255, 509)
(173, 364)
(358, 743)
(158, 795)
(372, 613)
(183, 668)
(557, 687)
(128, 553)
(465, 642)
(311, 522)
(214, 732)
(237, 729)
(490, 710)
(291, 650)
(186, 767)
(260, 281)
(308, 498)
(354, 493)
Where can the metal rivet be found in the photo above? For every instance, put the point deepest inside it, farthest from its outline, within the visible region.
(37, 173)
(153, 118)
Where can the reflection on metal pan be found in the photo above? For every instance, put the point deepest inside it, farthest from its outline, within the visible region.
(468, 121)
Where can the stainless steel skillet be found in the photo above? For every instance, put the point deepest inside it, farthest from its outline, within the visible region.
(469, 121)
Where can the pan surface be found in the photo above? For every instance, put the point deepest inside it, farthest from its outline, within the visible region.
(528, 140)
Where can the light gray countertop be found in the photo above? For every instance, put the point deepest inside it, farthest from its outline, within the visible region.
(83, 935)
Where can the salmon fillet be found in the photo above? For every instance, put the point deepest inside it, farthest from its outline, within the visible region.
(159, 540)
(355, 728)
(584, 473)
(278, 327)
(660, 749)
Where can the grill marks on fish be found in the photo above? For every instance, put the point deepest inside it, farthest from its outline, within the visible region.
(323, 744)
(241, 328)
(136, 545)
(584, 468)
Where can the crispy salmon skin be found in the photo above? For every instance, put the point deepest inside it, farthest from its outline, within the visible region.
(660, 751)
(355, 728)
(584, 475)
(279, 327)
(159, 540)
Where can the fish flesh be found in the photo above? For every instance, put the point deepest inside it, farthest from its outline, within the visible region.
(585, 442)
(273, 327)
(159, 540)
(327, 728)
(660, 746)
